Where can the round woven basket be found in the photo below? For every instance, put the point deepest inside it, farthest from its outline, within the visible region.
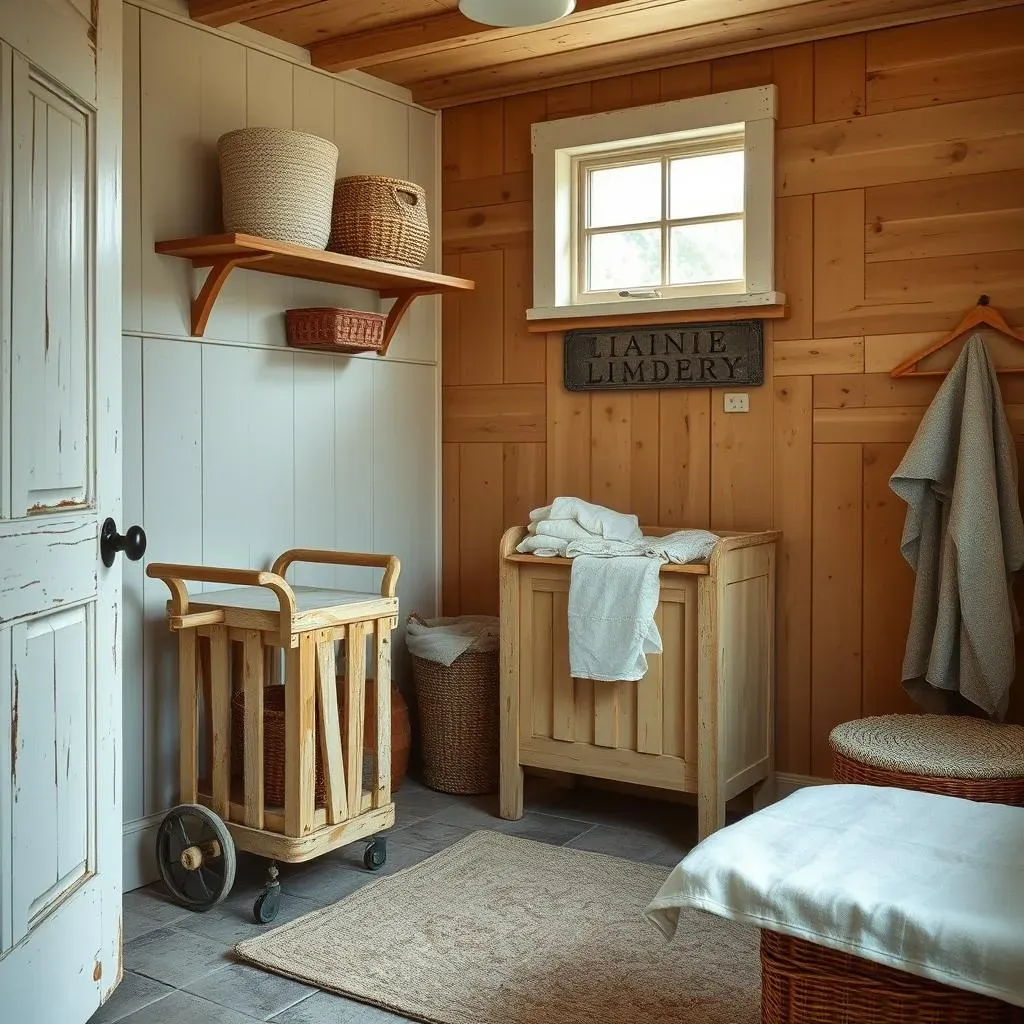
(458, 707)
(273, 746)
(802, 982)
(380, 219)
(278, 184)
(945, 754)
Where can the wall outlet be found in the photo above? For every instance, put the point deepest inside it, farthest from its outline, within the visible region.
(737, 402)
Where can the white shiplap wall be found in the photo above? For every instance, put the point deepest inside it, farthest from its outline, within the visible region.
(237, 447)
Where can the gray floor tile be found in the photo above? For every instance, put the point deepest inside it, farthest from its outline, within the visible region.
(329, 878)
(250, 991)
(185, 1008)
(154, 902)
(175, 957)
(543, 828)
(232, 922)
(134, 924)
(414, 800)
(132, 994)
(326, 1008)
(630, 844)
(429, 835)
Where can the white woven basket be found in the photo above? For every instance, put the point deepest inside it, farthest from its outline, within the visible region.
(279, 184)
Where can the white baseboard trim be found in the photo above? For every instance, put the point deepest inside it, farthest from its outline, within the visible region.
(138, 852)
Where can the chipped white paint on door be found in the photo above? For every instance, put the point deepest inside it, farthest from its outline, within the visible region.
(60, 420)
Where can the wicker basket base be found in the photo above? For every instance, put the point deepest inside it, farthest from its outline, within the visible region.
(992, 791)
(458, 707)
(802, 983)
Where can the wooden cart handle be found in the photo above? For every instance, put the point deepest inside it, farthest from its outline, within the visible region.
(175, 575)
(389, 563)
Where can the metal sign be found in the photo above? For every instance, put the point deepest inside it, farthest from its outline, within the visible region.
(672, 356)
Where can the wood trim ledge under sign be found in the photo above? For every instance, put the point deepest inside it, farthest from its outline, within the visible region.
(721, 354)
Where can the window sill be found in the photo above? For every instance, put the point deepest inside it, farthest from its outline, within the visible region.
(641, 312)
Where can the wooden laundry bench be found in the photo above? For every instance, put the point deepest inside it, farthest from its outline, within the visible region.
(702, 718)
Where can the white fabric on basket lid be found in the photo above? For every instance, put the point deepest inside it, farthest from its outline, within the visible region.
(446, 639)
(927, 884)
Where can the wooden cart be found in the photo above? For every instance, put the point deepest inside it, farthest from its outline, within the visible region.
(231, 639)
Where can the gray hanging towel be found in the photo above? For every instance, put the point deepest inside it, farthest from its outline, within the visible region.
(963, 537)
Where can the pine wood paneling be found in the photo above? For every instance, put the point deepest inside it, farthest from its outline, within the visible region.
(900, 199)
(839, 78)
(792, 514)
(922, 65)
(836, 644)
(511, 412)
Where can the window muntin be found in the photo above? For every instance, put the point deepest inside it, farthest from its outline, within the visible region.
(662, 220)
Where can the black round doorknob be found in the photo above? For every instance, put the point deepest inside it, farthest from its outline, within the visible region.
(132, 542)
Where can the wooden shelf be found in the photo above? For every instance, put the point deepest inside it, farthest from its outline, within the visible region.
(558, 325)
(225, 253)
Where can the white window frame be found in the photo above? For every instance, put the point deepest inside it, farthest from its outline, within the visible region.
(559, 148)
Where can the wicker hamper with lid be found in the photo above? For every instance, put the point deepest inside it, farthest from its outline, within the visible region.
(458, 710)
(380, 218)
(951, 755)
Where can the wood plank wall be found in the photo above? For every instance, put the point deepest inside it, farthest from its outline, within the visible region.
(236, 446)
(900, 188)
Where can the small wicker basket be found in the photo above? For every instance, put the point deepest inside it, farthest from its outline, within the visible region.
(458, 708)
(273, 746)
(329, 329)
(380, 219)
(278, 184)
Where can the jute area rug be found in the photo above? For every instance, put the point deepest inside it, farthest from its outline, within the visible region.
(501, 930)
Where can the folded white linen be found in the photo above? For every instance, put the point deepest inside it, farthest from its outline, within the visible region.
(562, 529)
(684, 547)
(544, 547)
(595, 519)
(931, 885)
(612, 602)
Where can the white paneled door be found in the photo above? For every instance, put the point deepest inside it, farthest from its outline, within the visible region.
(60, 479)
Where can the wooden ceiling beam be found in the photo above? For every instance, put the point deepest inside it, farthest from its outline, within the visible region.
(667, 50)
(410, 39)
(218, 13)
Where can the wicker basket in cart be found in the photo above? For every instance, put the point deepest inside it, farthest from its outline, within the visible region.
(380, 219)
(458, 708)
(330, 329)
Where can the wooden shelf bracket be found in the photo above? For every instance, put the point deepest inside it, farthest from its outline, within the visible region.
(220, 270)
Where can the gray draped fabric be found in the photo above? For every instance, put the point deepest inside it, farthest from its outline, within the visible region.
(963, 537)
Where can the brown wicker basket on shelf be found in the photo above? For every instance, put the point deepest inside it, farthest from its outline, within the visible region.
(458, 708)
(946, 754)
(380, 218)
(803, 983)
(273, 746)
(329, 329)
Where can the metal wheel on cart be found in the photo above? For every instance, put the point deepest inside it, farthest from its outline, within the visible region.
(195, 856)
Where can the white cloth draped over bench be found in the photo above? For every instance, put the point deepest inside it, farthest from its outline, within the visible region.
(614, 586)
(930, 885)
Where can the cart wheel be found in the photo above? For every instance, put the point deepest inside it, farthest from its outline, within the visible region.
(267, 904)
(375, 855)
(195, 856)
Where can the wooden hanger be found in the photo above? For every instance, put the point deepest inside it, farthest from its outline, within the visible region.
(982, 315)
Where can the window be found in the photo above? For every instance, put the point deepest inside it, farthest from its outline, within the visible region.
(660, 221)
(656, 208)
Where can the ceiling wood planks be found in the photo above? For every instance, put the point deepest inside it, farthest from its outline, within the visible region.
(447, 60)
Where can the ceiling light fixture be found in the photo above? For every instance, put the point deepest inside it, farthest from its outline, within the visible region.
(511, 13)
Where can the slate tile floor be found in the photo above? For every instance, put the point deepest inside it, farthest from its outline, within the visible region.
(179, 966)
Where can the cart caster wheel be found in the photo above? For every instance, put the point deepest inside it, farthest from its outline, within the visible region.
(267, 904)
(375, 855)
(195, 856)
